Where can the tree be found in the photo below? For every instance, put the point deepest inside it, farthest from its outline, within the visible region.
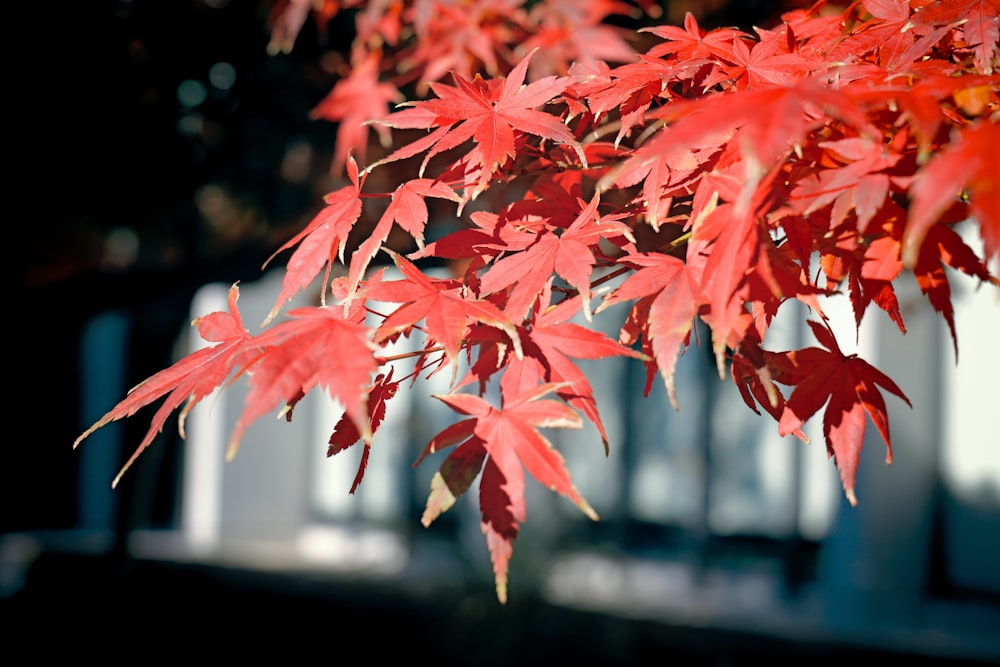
(692, 175)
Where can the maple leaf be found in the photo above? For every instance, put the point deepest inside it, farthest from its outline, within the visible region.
(352, 103)
(322, 241)
(735, 238)
(315, 347)
(463, 37)
(569, 31)
(966, 164)
(868, 267)
(814, 31)
(457, 472)
(848, 386)
(676, 297)
(632, 89)
(858, 184)
(926, 104)
(767, 61)
(345, 433)
(691, 42)
(567, 254)
(889, 35)
(503, 508)
(442, 304)
(778, 276)
(550, 343)
(665, 169)
(189, 380)
(943, 246)
(752, 376)
(407, 209)
(980, 24)
(380, 22)
(512, 443)
(764, 123)
(482, 240)
(490, 116)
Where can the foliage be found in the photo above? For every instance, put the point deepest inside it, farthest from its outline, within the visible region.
(690, 174)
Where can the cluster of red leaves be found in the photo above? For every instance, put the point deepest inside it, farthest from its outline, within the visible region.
(714, 177)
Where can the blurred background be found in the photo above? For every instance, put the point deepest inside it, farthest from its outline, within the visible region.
(166, 156)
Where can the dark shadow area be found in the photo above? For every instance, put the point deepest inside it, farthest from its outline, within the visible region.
(99, 608)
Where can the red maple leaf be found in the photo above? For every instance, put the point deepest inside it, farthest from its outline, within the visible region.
(444, 305)
(734, 234)
(766, 62)
(189, 380)
(868, 267)
(321, 242)
(569, 31)
(489, 115)
(669, 314)
(856, 182)
(847, 385)
(568, 253)
(762, 124)
(966, 166)
(286, 18)
(481, 240)
(512, 443)
(295, 358)
(752, 376)
(503, 508)
(345, 433)
(888, 36)
(407, 209)
(550, 344)
(354, 101)
(665, 169)
(943, 246)
(630, 90)
(979, 21)
(463, 37)
(693, 43)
